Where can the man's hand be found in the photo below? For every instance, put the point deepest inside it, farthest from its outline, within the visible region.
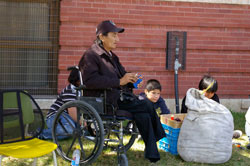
(128, 77)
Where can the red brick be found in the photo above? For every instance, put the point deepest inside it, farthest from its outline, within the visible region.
(218, 38)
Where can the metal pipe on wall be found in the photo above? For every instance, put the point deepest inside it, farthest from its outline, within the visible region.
(177, 65)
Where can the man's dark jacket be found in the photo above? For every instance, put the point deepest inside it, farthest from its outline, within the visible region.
(101, 71)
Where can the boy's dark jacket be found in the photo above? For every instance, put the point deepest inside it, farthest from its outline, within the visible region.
(159, 104)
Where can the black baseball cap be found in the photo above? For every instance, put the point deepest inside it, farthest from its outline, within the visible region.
(107, 26)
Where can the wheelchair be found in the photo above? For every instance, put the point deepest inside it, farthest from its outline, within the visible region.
(94, 128)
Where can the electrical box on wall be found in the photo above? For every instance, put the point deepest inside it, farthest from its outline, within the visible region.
(172, 38)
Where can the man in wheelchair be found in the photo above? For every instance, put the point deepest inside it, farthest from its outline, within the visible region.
(101, 69)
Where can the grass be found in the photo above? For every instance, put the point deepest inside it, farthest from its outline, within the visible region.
(239, 121)
(135, 155)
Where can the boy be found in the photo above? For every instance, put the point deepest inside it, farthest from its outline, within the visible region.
(152, 92)
(66, 95)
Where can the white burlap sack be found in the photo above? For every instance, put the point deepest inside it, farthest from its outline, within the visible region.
(247, 124)
(206, 132)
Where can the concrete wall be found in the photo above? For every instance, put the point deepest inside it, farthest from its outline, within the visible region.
(237, 105)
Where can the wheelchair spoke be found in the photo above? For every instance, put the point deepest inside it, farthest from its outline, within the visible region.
(69, 122)
(82, 150)
(70, 148)
(112, 138)
(62, 126)
(66, 133)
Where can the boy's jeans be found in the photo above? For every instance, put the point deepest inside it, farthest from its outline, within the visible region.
(47, 133)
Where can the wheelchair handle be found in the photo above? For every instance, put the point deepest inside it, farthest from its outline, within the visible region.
(72, 67)
(80, 74)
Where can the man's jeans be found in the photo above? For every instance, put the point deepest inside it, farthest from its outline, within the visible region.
(68, 124)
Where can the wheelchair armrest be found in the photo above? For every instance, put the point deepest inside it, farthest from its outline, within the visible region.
(101, 89)
(82, 87)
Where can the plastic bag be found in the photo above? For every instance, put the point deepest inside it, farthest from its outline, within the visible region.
(247, 124)
(206, 132)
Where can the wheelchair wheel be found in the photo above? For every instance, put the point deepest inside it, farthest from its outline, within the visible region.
(78, 134)
(130, 133)
(122, 160)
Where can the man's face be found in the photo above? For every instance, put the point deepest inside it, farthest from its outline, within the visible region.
(153, 95)
(110, 41)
